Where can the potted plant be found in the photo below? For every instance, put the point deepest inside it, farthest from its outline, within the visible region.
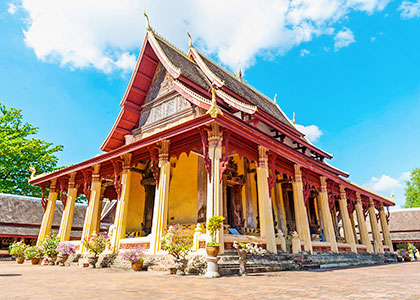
(178, 241)
(213, 226)
(135, 256)
(17, 249)
(65, 249)
(245, 248)
(34, 253)
(96, 244)
(49, 246)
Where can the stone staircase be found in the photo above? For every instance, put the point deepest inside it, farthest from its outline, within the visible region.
(229, 263)
(305, 262)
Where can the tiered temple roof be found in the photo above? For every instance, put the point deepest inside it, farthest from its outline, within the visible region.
(243, 109)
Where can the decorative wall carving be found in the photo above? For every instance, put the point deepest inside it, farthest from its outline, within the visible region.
(163, 104)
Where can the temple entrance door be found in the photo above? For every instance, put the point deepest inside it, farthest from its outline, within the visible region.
(234, 207)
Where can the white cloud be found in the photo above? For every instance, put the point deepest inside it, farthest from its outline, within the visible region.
(388, 185)
(106, 34)
(311, 132)
(343, 38)
(372, 38)
(12, 9)
(409, 9)
(384, 184)
(405, 176)
(304, 52)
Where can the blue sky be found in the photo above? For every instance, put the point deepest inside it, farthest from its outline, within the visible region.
(352, 71)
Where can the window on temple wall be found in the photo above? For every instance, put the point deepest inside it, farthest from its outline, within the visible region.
(149, 184)
(313, 216)
(232, 196)
(287, 190)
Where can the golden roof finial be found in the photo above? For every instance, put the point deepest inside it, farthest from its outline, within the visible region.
(148, 28)
(294, 118)
(214, 111)
(392, 196)
(33, 171)
(275, 98)
(189, 40)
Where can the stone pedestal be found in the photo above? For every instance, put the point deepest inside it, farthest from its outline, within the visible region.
(212, 267)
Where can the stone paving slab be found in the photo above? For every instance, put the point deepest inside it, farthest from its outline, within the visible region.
(390, 281)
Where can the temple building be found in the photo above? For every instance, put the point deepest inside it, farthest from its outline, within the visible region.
(193, 141)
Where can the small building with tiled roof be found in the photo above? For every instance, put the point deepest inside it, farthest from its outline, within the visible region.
(21, 217)
(404, 226)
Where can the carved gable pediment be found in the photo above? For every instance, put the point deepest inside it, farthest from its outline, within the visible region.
(164, 107)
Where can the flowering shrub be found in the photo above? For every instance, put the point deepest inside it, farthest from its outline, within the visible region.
(33, 252)
(18, 249)
(178, 241)
(50, 245)
(66, 248)
(214, 224)
(403, 253)
(96, 243)
(134, 255)
(251, 248)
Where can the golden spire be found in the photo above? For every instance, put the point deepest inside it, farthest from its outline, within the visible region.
(148, 28)
(189, 40)
(294, 118)
(392, 196)
(275, 98)
(214, 111)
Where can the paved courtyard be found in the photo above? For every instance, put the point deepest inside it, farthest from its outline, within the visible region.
(393, 281)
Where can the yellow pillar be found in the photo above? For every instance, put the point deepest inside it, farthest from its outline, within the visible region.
(48, 214)
(122, 205)
(385, 228)
(348, 231)
(353, 227)
(264, 202)
(362, 224)
(68, 211)
(215, 186)
(91, 217)
(377, 240)
(301, 216)
(160, 209)
(327, 222)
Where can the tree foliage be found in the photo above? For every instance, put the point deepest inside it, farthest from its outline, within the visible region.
(412, 191)
(19, 150)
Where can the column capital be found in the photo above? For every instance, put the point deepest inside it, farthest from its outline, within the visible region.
(72, 179)
(262, 157)
(371, 203)
(126, 161)
(298, 173)
(343, 194)
(164, 150)
(323, 181)
(358, 198)
(95, 174)
(215, 136)
(53, 184)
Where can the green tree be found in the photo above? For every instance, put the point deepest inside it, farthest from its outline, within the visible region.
(19, 150)
(412, 191)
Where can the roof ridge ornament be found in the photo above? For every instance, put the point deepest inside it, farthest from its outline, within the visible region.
(294, 118)
(275, 98)
(190, 44)
(148, 28)
(214, 111)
